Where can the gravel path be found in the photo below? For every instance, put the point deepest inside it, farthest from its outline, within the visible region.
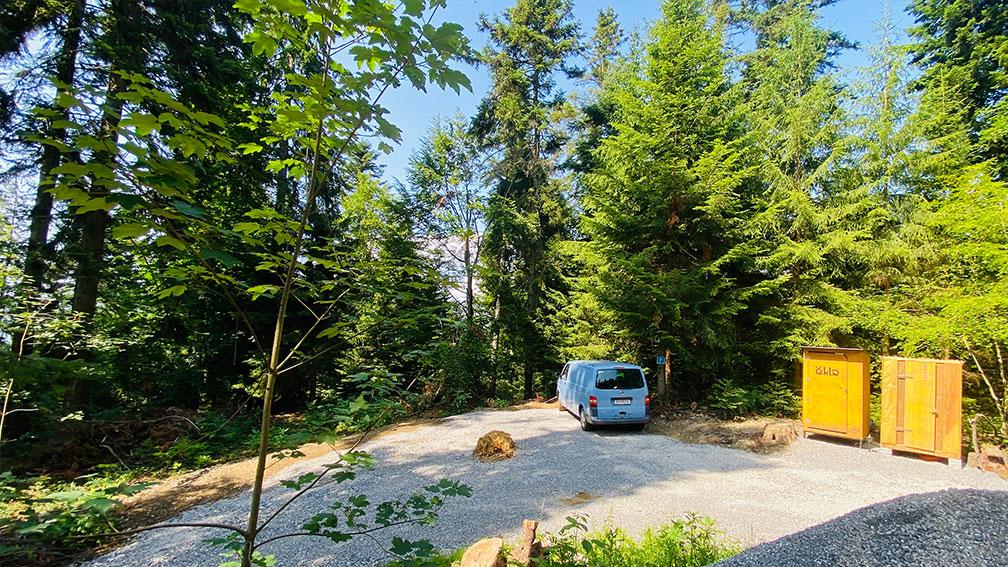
(639, 479)
(952, 528)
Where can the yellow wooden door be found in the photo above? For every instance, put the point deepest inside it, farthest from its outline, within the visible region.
(825, 392)
(919, 423)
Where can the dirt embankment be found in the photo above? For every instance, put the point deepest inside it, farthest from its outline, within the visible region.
(174, 495)
(703, 429)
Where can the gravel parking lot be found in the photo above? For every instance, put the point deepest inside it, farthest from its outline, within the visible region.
(630, 479)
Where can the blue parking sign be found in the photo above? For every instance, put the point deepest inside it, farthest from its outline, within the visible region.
(661, 360)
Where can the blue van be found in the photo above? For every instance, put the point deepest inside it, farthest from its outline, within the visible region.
(603, 392)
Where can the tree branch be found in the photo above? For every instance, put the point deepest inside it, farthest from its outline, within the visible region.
(235, 529)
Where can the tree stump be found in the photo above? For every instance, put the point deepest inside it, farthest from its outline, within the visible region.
(779, 433)
(529, 548)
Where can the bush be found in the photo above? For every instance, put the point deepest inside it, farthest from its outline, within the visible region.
(37, 514)
(729, 399)
(684, 543)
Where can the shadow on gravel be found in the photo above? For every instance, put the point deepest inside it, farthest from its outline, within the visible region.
(950, 528)
(559, 471)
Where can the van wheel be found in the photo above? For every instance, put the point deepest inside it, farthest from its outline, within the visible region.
(585, 426)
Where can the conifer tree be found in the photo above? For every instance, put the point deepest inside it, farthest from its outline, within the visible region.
(962, 299)
(962, 47)
(889, 243)
(527, 212)
(662, 207)
(794, 120)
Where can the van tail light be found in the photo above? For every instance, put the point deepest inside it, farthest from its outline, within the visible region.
(592, 402)
(647, 404)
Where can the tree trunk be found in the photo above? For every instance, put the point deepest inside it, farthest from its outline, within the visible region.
(495, 345)
(93, 223)
(530, 340)
(469, 284)
(666, 371)
(41, 213)
(87, 274)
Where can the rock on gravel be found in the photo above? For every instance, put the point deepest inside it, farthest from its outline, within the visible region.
(635, 480)
(951, 528)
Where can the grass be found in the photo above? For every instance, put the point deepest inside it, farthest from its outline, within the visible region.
(689, 542)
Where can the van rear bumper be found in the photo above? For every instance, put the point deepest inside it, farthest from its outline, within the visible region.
(617, 421)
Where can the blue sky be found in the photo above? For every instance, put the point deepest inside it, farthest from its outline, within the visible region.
(414, 111)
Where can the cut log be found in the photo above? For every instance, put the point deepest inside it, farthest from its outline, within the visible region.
(487, 552)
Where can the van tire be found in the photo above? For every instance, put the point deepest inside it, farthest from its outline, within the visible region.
(585, 426)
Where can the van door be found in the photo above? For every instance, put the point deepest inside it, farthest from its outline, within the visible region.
(621, 392)
(577, 388)
(563, 386)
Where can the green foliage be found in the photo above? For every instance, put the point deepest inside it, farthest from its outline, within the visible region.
(690, 542)
(356, 515)
(219, 438)
(527, 214)
(435, 559)
(39, 514)
(664, 208)
(795, 120)
(381, 400)
(734, 206)
(730, 399)
(960, 47)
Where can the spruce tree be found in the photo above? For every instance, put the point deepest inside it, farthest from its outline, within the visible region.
(662, 207)
(794, 128)
(962, 47)
(527, 212)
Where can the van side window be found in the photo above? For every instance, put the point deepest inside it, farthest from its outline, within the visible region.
(563, 375)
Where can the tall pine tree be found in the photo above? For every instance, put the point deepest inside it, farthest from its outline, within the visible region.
(794, 119)
(527, 212)
(662, 207)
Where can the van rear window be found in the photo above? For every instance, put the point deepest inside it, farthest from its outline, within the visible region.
(619, 379)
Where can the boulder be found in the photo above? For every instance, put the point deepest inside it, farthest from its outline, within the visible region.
(487, 552)
(779, 433)
(494, 446)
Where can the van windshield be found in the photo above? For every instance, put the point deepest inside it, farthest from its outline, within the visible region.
(619, 379)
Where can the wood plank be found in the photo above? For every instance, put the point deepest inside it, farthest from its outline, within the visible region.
(887, 428)
(919, 424)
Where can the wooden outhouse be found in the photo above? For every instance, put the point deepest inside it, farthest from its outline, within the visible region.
(922, 406)
(835, 391)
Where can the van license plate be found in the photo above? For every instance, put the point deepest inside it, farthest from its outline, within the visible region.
(621, 401)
